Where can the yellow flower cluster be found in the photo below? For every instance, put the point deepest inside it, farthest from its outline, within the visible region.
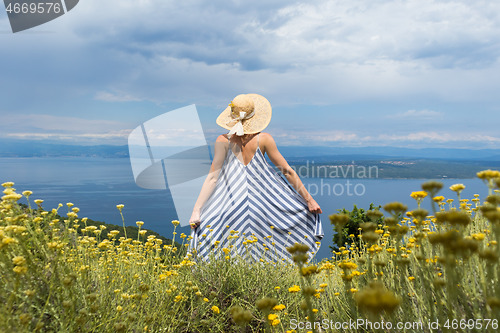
(20, 266)
(418, 194)
(376, 299)
(414, 259)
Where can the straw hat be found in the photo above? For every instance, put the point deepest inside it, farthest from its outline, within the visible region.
(246, 114)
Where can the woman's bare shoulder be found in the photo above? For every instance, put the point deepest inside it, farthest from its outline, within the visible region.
(221, 143)
(267, 139)
(266, 136)
(266, 142)
(222, 138)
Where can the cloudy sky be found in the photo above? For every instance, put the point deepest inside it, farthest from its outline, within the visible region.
(416, 73)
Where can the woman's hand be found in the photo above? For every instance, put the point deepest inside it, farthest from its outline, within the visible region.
(313, 206)
(194, 221)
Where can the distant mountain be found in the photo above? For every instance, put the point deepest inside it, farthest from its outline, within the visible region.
(21, 148)
(369, 153)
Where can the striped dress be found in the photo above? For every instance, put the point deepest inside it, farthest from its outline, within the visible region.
(253, 212)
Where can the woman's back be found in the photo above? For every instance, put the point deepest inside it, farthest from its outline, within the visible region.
(244, 147)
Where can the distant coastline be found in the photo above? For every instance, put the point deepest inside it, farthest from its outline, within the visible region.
(315, 161)
(20, 148)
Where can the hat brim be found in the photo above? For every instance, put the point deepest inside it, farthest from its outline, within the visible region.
(259, 120)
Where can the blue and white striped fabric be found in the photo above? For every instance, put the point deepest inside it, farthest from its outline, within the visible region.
(255, 213)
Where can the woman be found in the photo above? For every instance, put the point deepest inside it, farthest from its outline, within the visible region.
(245, 207)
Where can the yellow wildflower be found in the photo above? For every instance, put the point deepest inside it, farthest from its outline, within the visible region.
(272, 316)
(478, 236)
(279, 307)
(347, 265)
(488, 174)
(438, 198)
(457, 188)
(418, 195)
(19, 261)
(20, 269)
(376, 299)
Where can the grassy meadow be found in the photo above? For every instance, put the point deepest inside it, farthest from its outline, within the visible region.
(413, 271)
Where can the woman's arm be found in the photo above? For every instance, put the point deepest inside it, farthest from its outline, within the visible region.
(220, 151)
(290, 174)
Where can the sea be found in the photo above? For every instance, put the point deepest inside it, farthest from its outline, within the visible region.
(96, 185)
